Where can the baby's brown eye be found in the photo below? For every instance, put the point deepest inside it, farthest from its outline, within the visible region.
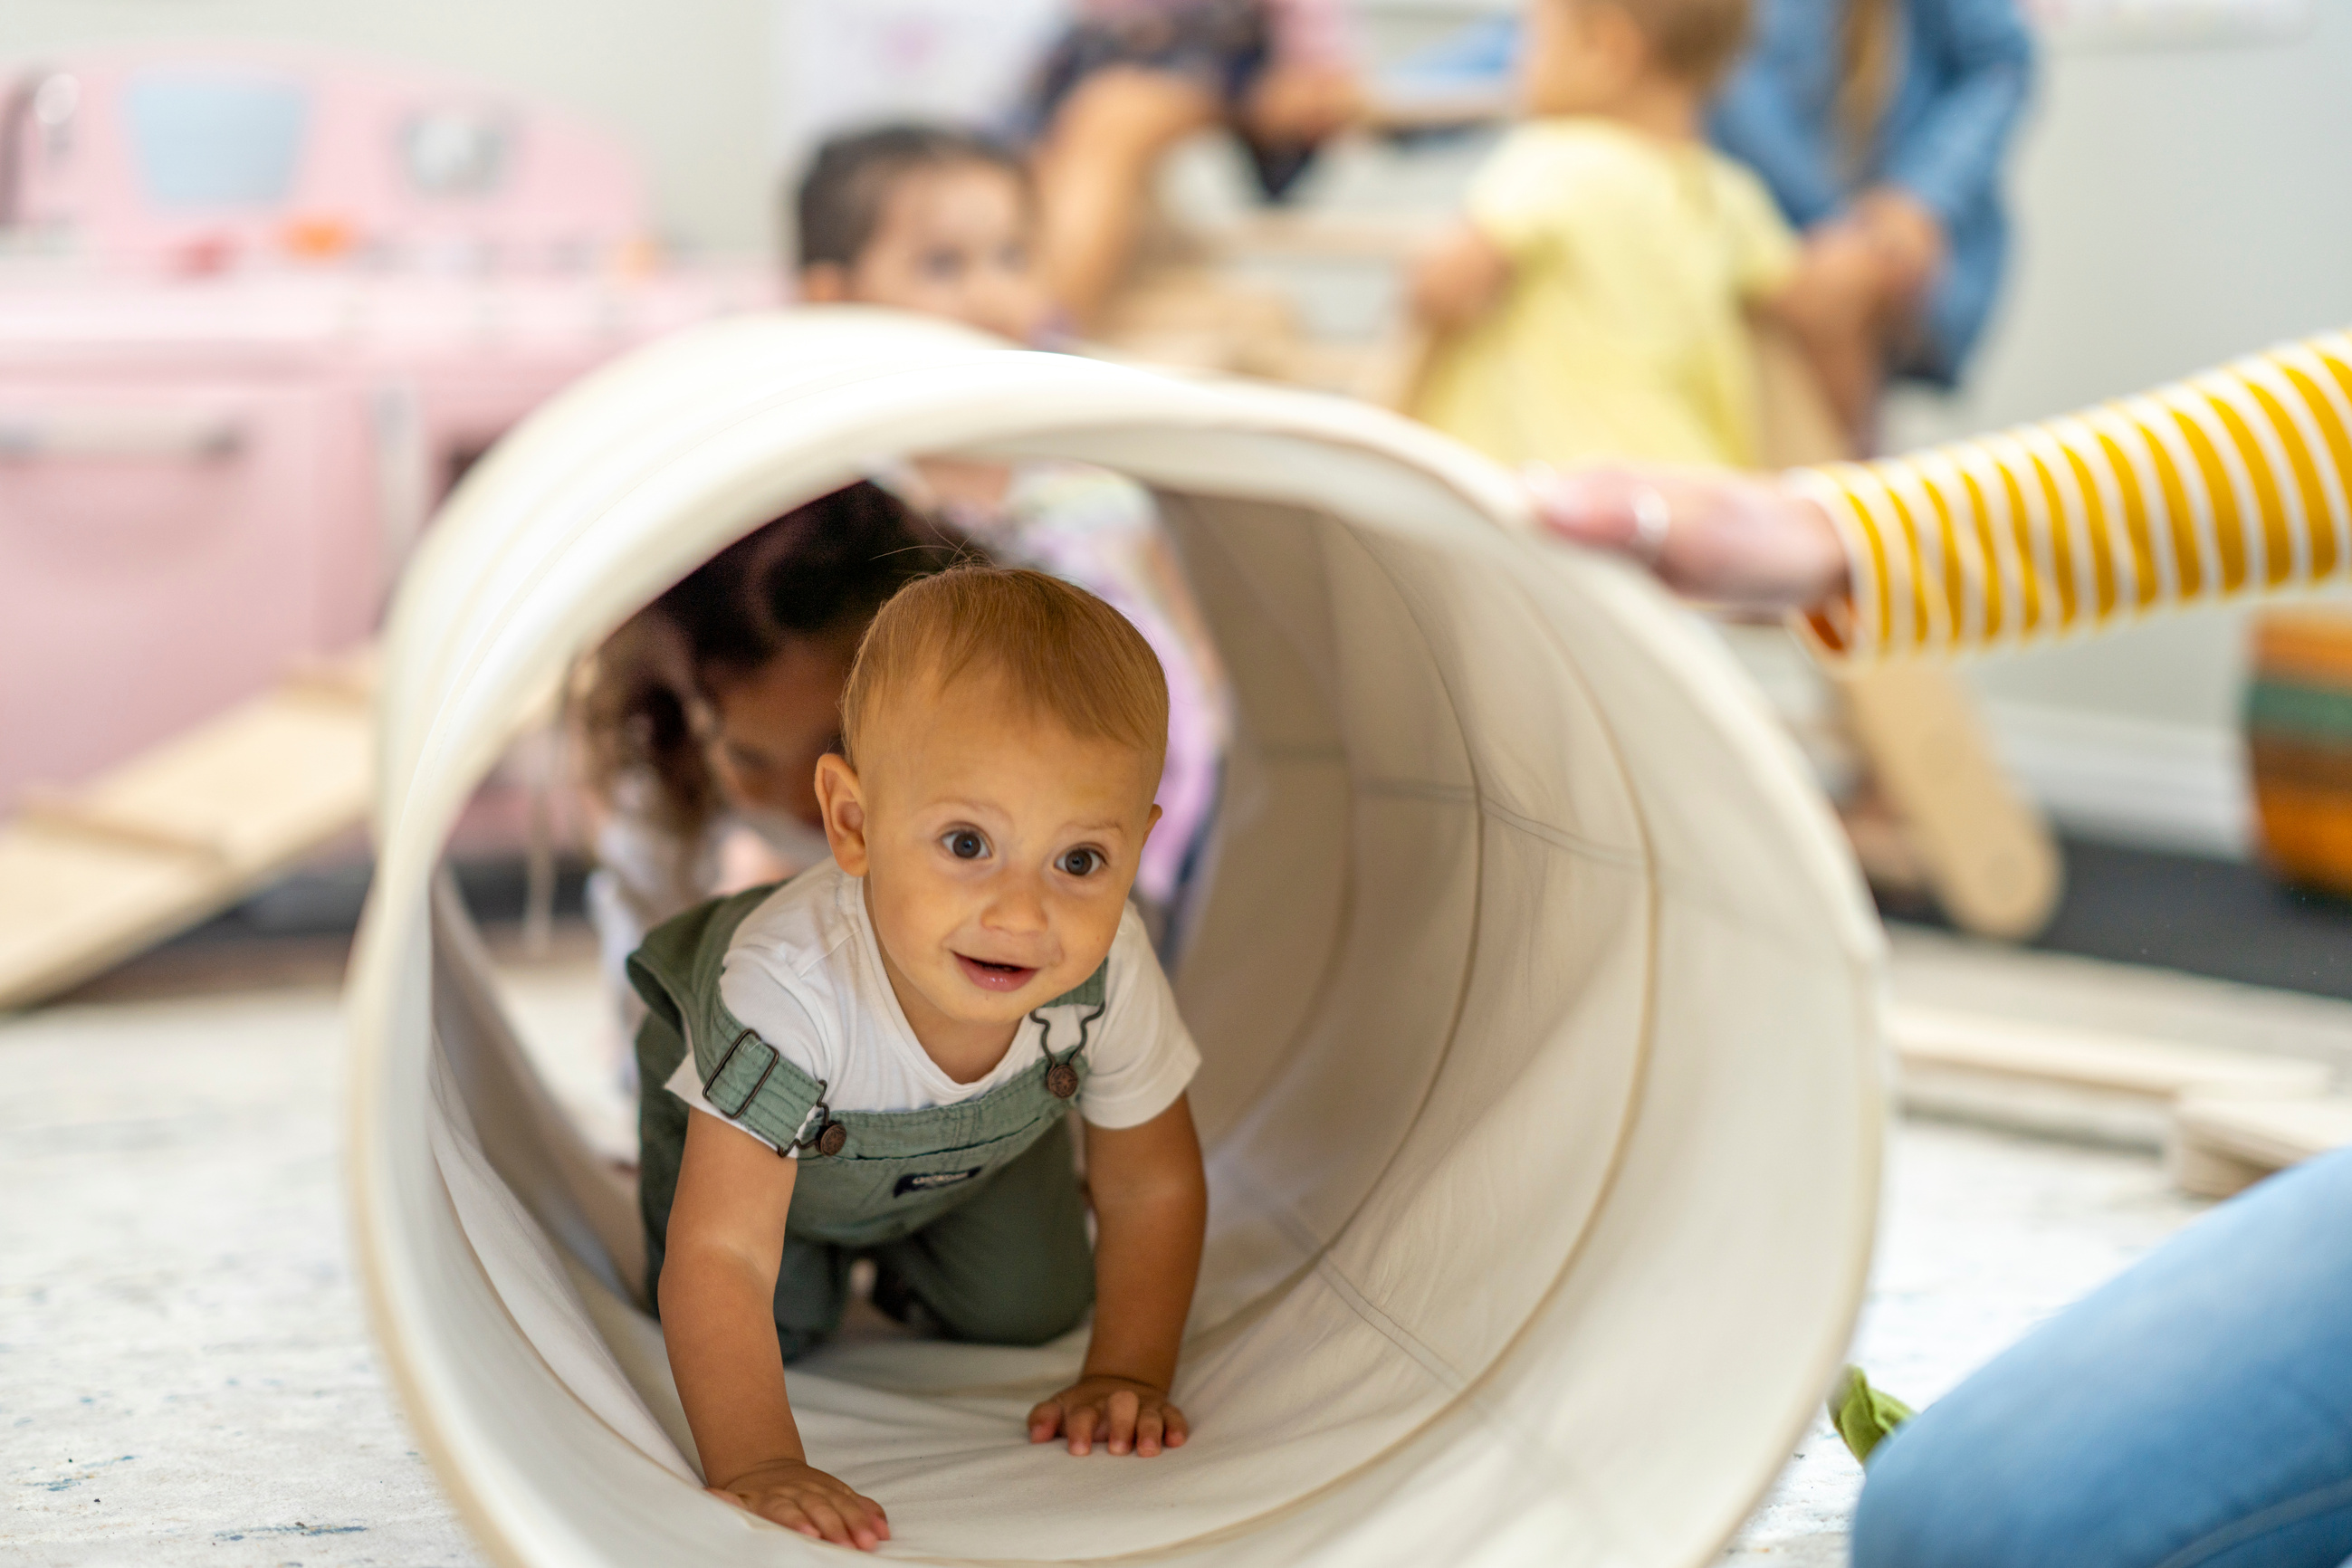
(965, 845)
(1080, 862)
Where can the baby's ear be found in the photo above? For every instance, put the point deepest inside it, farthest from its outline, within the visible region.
(842, 798)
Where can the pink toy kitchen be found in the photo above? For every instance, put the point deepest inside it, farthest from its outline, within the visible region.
(258, 310)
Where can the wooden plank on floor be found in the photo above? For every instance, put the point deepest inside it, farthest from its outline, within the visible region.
(2221, 1144)
(2111, 1086)
(90, 876)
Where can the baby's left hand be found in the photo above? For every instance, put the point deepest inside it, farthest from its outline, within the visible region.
(1126, 1415)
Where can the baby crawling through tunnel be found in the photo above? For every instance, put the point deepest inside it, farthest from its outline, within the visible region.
(879, 1055)
(1532, 999)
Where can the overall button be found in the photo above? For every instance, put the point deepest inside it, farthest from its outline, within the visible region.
(1061, 1080)
(831, 1139)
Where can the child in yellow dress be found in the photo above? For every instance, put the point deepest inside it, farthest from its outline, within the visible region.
(1593, 302)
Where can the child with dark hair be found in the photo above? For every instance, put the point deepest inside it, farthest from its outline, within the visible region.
(702, 718)
(923, 217)
(941, 221)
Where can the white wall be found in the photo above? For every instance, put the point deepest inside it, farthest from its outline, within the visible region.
(687, 82)
(2176, 206)
(840, 64)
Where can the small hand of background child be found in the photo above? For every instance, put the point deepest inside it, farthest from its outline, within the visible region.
(799, 1496)
(1127, 1414)
(1458, 279)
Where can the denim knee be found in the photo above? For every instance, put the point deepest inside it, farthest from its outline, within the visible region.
(1901, 1520)
(1936, 1500)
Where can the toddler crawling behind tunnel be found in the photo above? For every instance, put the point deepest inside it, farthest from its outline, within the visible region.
(876, 1058)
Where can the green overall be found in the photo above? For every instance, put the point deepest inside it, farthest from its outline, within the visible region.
(970, 1211)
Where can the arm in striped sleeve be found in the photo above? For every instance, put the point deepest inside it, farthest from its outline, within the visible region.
(2235, 482)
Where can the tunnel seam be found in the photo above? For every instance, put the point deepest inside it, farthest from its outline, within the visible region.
(1457, 1381)
(1415, 789)
(1294, 1227)
(1661, 884)
(1560, 837)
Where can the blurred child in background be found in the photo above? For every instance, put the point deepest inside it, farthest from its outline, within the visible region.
(1594, 300)
(1133, 77)
(925, 218)
(1882, 128)
(944, 222)
(702, 719)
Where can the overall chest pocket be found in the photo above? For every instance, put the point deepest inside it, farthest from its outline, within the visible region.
(860, 1199)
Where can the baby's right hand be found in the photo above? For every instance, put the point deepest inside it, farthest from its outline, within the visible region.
(799, 1496)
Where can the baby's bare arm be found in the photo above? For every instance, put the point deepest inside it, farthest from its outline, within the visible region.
(725, 1243)
(1151, 1206)
(1459, 278)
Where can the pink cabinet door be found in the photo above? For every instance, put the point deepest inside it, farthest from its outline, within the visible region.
(167, 548)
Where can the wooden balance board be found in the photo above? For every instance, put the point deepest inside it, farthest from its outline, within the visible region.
(2221, 1144)
(2080, 1083)
(91, 876)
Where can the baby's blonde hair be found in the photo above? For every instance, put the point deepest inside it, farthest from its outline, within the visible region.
(1693, 41)
(1061, 652)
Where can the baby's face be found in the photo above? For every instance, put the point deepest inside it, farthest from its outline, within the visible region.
(953, 242)
(997, 849)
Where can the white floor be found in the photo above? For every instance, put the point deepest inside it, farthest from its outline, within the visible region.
(186, 1375)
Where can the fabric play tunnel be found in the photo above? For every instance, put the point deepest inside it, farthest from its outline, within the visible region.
(1537, 993)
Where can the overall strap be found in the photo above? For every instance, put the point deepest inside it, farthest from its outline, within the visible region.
(1091, 996)
(743, 1077)
(752, 1084)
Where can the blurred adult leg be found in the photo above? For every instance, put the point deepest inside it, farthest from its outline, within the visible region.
(2196, 1411)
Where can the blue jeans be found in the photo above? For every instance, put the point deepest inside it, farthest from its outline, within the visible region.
(2197, 1410)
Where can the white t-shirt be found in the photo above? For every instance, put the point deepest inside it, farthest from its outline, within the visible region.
(804, 970)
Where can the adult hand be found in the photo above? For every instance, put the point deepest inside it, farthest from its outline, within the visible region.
(1909, 240)
(1727, 537)
(1867, 269)
(1839, 286)
(1856, 294)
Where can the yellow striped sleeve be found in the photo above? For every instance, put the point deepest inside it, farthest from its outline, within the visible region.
(2237, 481)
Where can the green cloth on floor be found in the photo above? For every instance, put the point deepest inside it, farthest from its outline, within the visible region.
(1864, 1416)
